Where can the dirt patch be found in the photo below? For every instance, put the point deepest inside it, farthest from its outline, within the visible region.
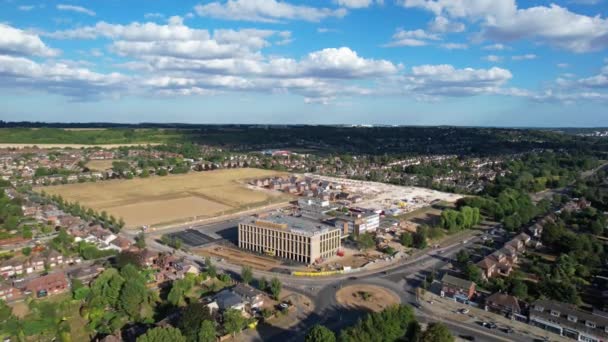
(156, 200)
(239, 257)
(369, 297)
(20, 309)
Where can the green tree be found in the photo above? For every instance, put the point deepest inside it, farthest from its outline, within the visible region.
(437, 332)
(234, 321)
(520, 289)
(26, 251)
(160, 334)
(275, 288)
(473, 273)
(140, 240)
(365, 241)
(192, 317)
(262, 284)
(246, 274)
(406, 239)
(319, 333)
(463, 257)
(207, 332)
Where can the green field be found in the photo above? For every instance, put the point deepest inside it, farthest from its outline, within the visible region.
(89, 136)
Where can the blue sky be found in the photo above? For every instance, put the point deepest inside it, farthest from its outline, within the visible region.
(412, 62)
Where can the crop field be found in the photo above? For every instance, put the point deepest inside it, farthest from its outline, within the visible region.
(172, 199)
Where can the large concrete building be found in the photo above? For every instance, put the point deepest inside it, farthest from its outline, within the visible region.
(358, 222)
(289, 237)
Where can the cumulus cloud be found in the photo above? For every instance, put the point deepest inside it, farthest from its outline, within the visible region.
(599, 81)
(26, 8)
(454, 46)
(446, 80)
(527, 56)
(173, 59)
(68, 80)
(444, 25)
(492, 58)
(270, 11)
(14, 41)
(357, 3)
(502, 20)
(496, 47)
(417, 37)
(77, 9)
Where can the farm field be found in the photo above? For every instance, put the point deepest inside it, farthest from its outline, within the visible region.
(174, 198)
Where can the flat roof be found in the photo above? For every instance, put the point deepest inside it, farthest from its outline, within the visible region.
(293, 224)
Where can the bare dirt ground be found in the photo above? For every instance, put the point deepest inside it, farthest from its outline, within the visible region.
(380, 196)
(353, 258)
(239, 257)
(20, 309)
(76, 146)
(158, 200)
(379, 297)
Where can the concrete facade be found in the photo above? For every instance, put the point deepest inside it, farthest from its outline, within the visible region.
(290, 238)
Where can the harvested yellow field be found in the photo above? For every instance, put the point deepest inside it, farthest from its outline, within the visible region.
(174, 198)
(100, 165)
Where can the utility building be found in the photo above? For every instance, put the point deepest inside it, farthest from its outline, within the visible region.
(289, 237)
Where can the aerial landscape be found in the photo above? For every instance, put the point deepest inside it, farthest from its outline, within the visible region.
(318, 171)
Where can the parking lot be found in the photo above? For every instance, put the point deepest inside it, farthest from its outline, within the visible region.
(193, 238)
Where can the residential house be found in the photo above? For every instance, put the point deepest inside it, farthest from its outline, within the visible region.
(8, 292)
(569, 321)
(457, 288)
(86, 274)
(241, 297)
(503, 303)
(51, 284)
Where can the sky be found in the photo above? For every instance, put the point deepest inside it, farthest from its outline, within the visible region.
(403, 62)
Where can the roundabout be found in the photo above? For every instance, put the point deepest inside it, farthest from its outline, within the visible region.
(367, 297)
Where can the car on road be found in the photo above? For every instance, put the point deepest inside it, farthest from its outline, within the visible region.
(467, 337)
(464, 311)
(352, 278)
(507, 330)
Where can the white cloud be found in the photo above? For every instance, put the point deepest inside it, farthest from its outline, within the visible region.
(454, 46)
(496, 47)
(326, 30)
(492, 58)
(527, 56)
(14, 41)
(154, 15)
(26, 8)
(597, 81)
(357, 3)
(411, 38)
(562, 65)
(61, 78)
(78, 9)
(265, 11)
(502, 20)
(444, 25)
(445, 80)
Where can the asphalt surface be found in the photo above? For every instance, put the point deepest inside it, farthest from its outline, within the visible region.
(402, 278)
